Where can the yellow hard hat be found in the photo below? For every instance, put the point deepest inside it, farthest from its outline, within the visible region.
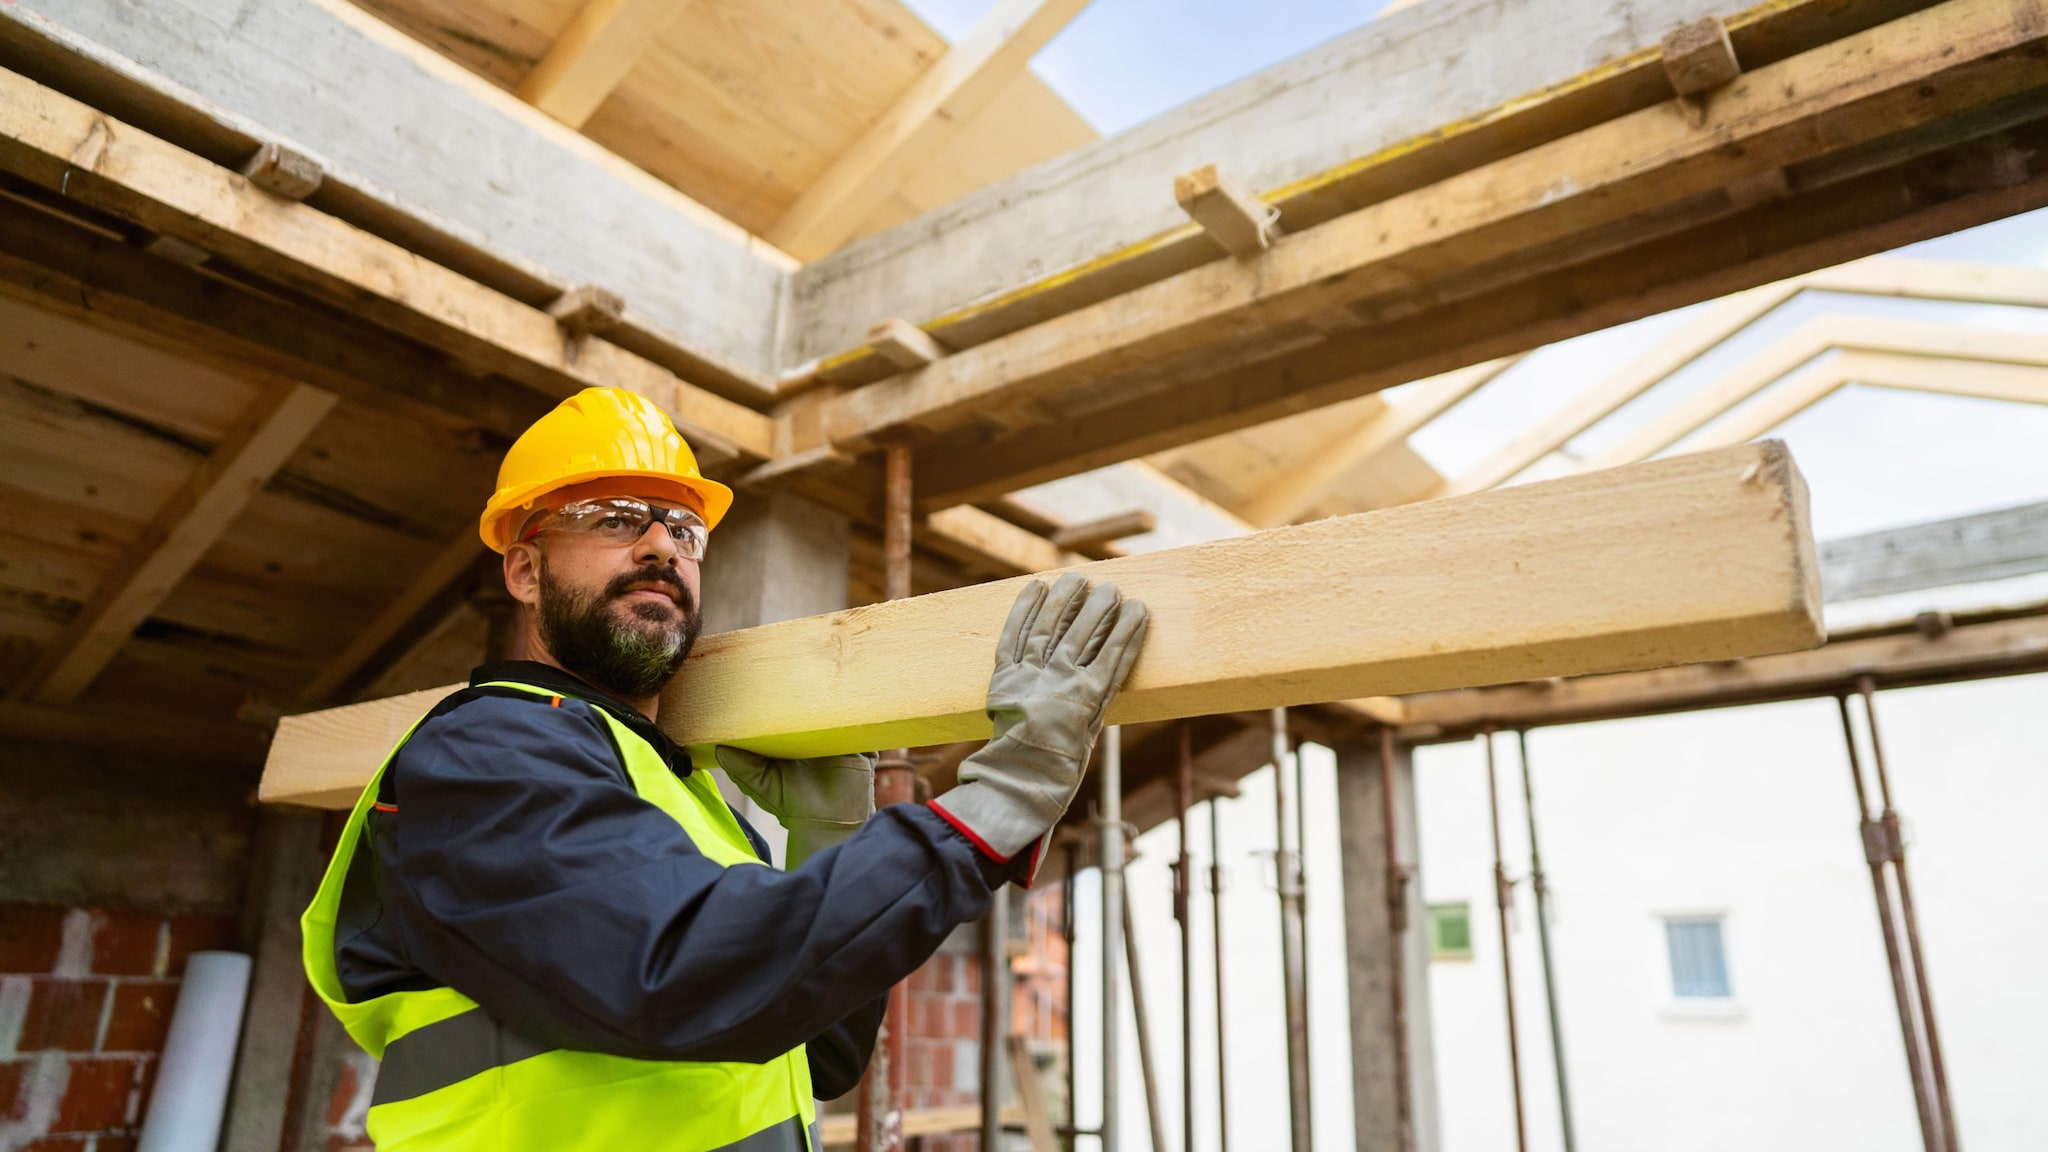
(598, 434)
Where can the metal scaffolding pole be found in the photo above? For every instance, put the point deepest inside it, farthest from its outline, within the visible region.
(1936, 1066)
(880, 1124)
(1397, 953)
(1147, 1070)
(1216, 933)
(1882, 844)
(995, 1014)
(1293, 972)
(1542, 889)
(1111, 821)
(1183, 900)
(1503, 898)
(1070, 852)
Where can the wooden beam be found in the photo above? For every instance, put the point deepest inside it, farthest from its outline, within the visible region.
(601, 44)
(922, 121)
(68, 147)
(1875, 276)
(1240, 222)
(1816, 228)
(429, 582)
(1093, 534)
(1995, 545)
(990, 542)
(468, 176)
(1067, 233)
(2016, 383)
(181, 532)
(1896, 657)
(1817, 337)
(1864, 86)
(1392, 425)
(1699, 557)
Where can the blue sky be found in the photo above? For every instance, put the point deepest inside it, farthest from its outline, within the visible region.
(1124, 61)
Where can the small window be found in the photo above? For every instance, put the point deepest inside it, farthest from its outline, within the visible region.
(1699, 962)
(1450, 931)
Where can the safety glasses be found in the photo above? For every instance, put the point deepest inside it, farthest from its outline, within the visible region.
(624, 520)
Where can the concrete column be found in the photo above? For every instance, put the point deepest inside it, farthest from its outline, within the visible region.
(1369, 948)
(774, 557)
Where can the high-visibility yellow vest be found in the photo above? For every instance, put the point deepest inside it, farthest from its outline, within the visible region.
(455, 1079)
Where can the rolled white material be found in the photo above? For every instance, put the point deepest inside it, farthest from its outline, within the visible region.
(191, 1096)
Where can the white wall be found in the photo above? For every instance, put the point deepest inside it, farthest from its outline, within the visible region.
(1750, 812)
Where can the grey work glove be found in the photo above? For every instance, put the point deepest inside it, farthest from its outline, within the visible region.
(821, 801)
(1063, 654)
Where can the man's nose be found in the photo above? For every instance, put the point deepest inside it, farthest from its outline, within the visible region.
(656, 546)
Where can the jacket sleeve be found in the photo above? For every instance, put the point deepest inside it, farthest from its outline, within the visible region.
(522, 869)
(840, 1054)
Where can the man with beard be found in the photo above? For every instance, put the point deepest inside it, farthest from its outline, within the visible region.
(545, 920)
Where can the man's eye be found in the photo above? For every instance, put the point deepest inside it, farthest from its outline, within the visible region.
(613, 521)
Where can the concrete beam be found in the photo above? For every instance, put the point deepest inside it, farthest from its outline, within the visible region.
(1372, 937)
(1317, 135)
(399, 128)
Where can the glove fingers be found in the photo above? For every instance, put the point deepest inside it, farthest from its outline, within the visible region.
(749, 770)
(1091, 626)
(1055, 618)
(1120, 651)
(1017, 628)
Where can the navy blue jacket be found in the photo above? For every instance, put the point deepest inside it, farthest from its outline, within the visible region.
(512, 860)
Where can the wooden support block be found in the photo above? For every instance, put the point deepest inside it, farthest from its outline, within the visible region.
(1704, 557)
(1244, 224)
(1699, 57)
(284, 172)
(904, 344)
(587, 308)
(1107, 530)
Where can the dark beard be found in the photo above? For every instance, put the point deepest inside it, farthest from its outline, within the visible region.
(629, 657)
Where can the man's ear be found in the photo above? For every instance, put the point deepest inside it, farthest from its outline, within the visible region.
(522, 573)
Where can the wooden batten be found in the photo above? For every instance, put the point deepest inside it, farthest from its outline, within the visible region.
(283, 171)
(1699, 57)
(1241, 222)
(1705, 557)
(904, 344)
(587, 309)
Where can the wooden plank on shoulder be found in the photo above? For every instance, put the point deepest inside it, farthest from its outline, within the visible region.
(1704, 557)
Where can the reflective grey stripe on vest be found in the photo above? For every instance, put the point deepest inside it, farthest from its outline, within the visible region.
(447, 1052)
(450, 1051)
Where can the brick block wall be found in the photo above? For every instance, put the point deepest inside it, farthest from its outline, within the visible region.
(85, 1001)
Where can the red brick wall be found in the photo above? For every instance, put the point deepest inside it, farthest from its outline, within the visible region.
(85, 1000)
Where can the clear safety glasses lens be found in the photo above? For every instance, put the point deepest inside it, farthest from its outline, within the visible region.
(624, 521)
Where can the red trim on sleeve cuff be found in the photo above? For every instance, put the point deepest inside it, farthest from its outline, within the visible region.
(964, 830)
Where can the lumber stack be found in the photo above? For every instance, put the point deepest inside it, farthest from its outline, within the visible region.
(1675, 561)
